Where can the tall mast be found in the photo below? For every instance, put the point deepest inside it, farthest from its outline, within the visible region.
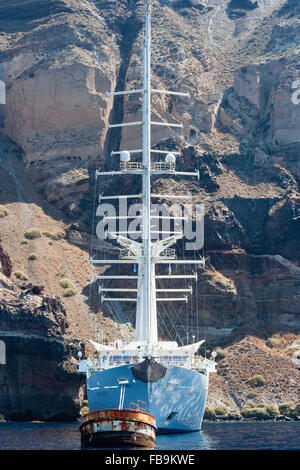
(146, 253)
(149, 330)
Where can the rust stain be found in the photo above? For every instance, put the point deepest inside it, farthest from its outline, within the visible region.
(129, 426)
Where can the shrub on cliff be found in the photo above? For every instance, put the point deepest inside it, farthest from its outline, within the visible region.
(259, 411)
(32, 233)
(55, 236)
(212, 412)
(234, 415)
(256, 381)
(260, 405)
(253, 412)
(66, 284)
(272, 342)
(289, 409)
(70, 292)
(272, 410)
(221, 411)
(221, 353)
(209, 412)
(292, 349)
(249, 404)
(84, 410)
(251, 395)
(3, 212)
(21, 276)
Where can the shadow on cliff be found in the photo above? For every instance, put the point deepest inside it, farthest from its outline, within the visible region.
(129, 30)
(116, 311)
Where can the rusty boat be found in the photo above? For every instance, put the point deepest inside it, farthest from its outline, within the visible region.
(132, 427)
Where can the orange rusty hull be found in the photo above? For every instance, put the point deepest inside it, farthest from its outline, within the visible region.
(116, 428)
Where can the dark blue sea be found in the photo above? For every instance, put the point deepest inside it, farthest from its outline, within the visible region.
(214, 436)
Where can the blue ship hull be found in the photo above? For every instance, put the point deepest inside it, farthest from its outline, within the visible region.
(177, 400)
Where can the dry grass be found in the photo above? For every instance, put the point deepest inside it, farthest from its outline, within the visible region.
(256, 381)
(66, 284)
(273, 342)
(21, 276)
(55, 236)
(70, 292)
(32, 234)
(3, 211)
(289, 409)
(260, 411)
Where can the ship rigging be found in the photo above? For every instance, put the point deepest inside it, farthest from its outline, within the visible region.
(149, 366)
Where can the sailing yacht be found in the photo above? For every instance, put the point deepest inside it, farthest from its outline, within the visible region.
(170, 380)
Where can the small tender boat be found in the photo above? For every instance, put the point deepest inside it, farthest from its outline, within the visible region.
(113, 427)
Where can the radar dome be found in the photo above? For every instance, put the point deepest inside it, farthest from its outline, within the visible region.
(170, 158)
(125, 156)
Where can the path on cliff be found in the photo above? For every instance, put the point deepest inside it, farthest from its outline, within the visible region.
(6, 163)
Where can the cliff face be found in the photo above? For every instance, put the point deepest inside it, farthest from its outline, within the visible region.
(39, 379)
(57, 60)
(239, 60)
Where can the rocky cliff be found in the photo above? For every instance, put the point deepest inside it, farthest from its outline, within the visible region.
(39, 380)
(239, 60)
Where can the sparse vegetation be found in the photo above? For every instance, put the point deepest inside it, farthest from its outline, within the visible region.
(24, 242)
(292, 349)
(212, 412)
(260, 405)
(66, 284)
(221, 353)
(289, 409)
(21, 276)
(69, 288)
(55, 236)
(3, 211)
(260, 411)
(251, 395)
(256, 381)
(70, 292)
(209, 412)
(32, 234)
(272, 342)
(221, 411)
(272, 410)
(84, 410)
(249, 404)
(254, 412)
(32, 257)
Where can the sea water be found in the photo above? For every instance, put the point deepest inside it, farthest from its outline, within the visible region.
(213, 436)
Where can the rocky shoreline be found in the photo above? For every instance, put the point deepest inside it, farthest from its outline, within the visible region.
(231, 419)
